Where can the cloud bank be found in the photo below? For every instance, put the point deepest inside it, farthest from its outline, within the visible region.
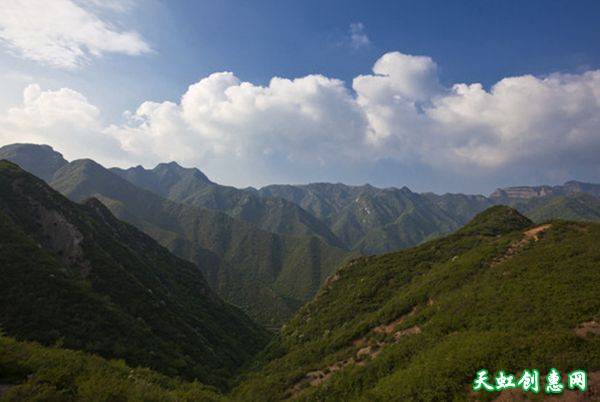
(64, 33)
(401, 112)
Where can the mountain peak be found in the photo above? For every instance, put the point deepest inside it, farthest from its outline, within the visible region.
(496, 220)
(174, 168)
(169, 165)
(41, 160)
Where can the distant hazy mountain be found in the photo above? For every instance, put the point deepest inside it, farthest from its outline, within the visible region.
(416, 325)
(41, 160)
(374, 220)
(528, 192)
(191, 186)
(267, 274)
(76, 275)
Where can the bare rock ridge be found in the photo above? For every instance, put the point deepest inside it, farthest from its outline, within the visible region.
(528, 192)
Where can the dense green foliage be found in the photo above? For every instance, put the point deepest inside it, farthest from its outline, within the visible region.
(75, 274)
(30, 372)
(489, 296)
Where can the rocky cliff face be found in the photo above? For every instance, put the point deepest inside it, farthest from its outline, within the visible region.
(528, 192)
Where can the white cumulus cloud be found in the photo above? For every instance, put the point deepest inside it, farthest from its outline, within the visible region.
(291, 129)
(306, 120)
(63, 33)
(63, 118)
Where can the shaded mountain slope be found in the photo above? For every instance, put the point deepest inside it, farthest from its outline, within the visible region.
(267, 274)
(499, 294)
(74, 274)
(191, 186)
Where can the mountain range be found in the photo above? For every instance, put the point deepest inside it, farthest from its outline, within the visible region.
(190, 186)
(269, 250)
(268, 275)
(375, 221)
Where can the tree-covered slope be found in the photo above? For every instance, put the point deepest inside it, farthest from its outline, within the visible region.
(31, 372)
(268, 275)
(190, 186)
(416, 325)
(74, 274)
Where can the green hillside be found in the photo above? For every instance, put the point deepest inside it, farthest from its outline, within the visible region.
(416, 325)
(30, 372)
(76, 275)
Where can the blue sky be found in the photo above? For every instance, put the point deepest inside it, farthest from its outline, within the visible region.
(425, 125)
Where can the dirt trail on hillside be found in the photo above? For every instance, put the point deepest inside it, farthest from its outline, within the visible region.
(365, 350)
(517, 246)
(590, 327)
(533, 233)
